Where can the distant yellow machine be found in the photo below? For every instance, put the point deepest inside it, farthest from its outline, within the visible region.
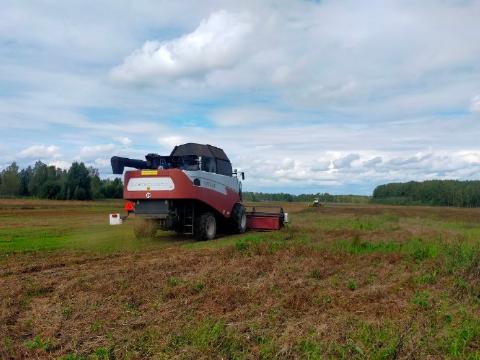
(316, 203)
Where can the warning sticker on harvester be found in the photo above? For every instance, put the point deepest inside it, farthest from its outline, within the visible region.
(148, 172)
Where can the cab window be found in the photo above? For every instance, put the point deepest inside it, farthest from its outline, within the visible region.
(208, 164)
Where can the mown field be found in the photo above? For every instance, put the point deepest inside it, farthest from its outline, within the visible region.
(341, 281)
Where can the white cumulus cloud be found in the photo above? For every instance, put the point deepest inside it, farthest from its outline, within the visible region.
(62, 164)
(246, 116)
(217, 43)
(170, 142)
(123, 140)
(475, 104)
(372, 162)
(103, 163)
(40, 152)
(346, 161)
(92, 152)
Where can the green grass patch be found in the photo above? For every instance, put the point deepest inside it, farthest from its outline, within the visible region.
(379, 341)
(363, 341)
(198, 286)
(259, 244)
(310, 349)
(54, 225)
(97, 238)
(461, 340)
(145, 345)
(364, 223)
(419, 249)
(422, 299)
(352, 285)
(461, 255)
(357, 246)
(67, 312)
(173, 281)
(38, 344)
(103, 353)
(209, 337)
(429, 278)
(316, 274)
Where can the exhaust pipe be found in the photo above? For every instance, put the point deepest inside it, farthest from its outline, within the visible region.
(119, 164)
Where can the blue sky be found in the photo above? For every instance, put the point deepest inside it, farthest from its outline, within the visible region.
(304, 96)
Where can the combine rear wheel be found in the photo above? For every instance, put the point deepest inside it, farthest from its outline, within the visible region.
(239, 219)
(145, 228)
(205, 227)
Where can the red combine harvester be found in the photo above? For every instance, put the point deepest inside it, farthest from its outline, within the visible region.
(192, 191)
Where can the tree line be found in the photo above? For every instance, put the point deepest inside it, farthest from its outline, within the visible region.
(80, 182)
(322, 197)
(49, 182)
(433, 192)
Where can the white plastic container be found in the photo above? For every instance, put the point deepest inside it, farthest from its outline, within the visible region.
(115, 219)
(285, 218)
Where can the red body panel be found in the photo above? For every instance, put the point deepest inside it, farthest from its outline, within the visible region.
(184, 189)
(264, 222)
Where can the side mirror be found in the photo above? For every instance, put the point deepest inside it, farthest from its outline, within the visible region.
(243, 175)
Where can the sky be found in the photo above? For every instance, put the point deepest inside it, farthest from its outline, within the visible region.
(304, 96)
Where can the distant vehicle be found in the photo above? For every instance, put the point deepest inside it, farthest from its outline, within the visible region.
(191, 191)
(316, 203)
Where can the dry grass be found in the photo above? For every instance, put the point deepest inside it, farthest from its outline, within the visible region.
(339, 282)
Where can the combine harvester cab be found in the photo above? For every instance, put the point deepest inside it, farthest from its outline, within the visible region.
(192, 191)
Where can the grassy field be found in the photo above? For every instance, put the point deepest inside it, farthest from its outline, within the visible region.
(341, 281)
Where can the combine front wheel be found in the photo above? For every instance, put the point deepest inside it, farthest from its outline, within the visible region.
(206, 227)
(239, 219)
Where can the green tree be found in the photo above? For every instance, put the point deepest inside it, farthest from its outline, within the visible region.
(78, 183)
(25, 178)
(431, 192)
(51, 188)
(96, 183)
(49, 182)
(112, 189)
(10, 184)
(38, 178)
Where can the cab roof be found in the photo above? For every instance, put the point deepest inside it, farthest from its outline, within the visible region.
(199, 150)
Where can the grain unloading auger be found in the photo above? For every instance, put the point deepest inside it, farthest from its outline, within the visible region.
(192, 191)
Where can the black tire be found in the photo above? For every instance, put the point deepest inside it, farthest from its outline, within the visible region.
(205, 227)
(239, 219)
(145, 228)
